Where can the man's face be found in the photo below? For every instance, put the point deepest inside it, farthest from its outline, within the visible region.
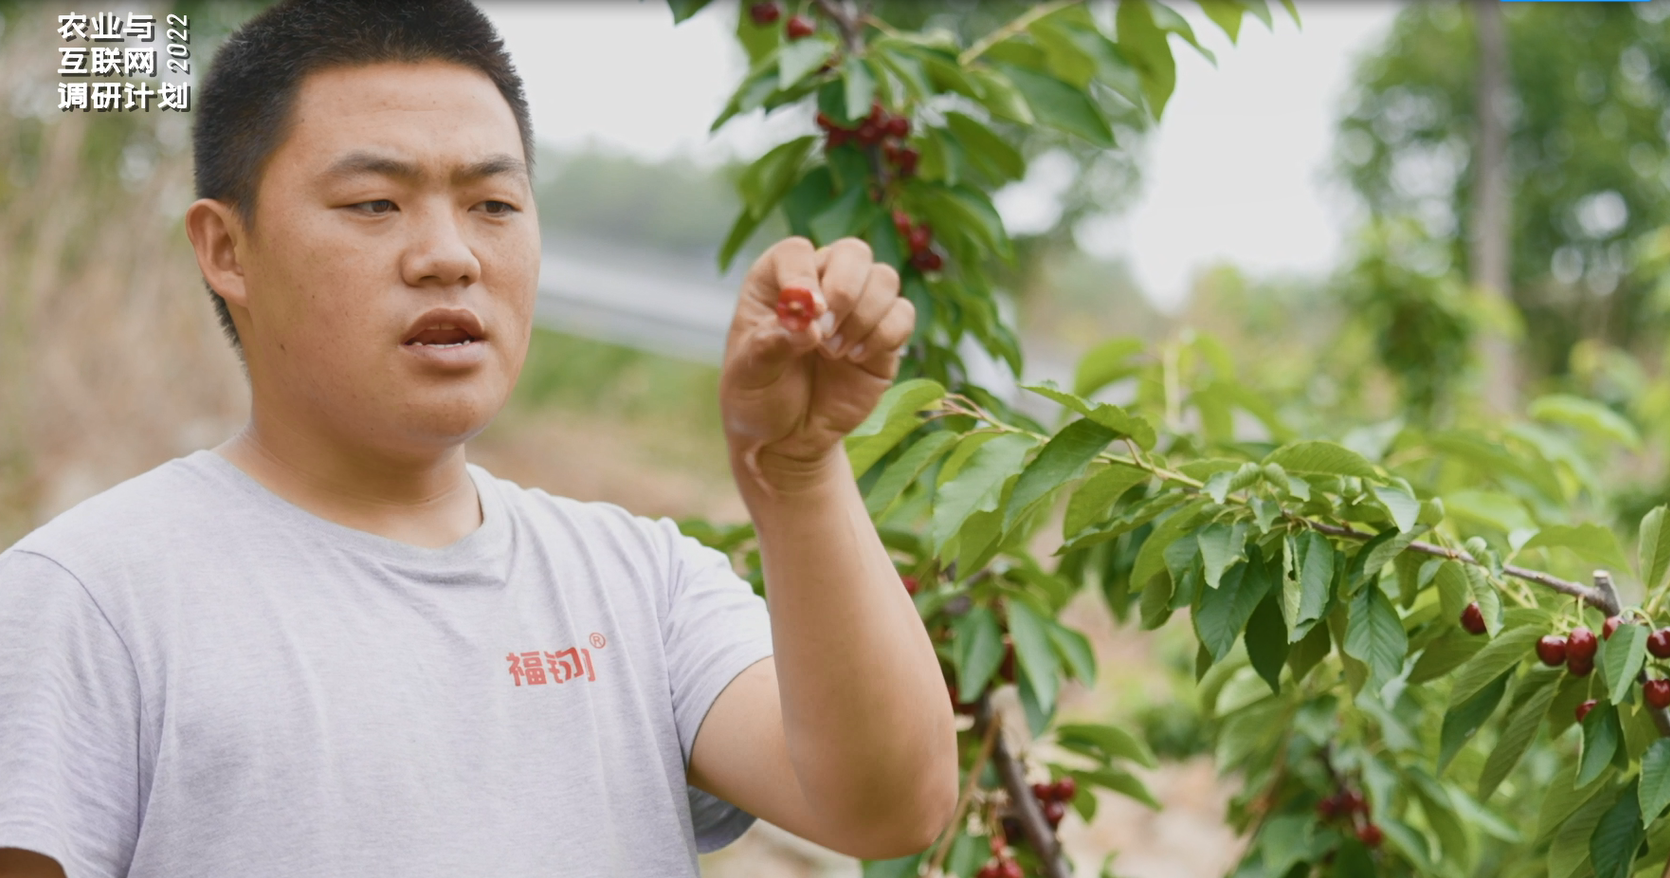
(391, 272)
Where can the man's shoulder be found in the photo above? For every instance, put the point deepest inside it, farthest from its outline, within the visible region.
(131, 516)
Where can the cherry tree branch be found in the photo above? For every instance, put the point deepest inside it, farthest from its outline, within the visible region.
(1037, 829)
(975, 769)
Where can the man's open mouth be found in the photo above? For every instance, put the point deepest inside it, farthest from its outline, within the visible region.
(445, 328)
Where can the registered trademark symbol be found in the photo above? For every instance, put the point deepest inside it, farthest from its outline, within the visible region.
(597, 641)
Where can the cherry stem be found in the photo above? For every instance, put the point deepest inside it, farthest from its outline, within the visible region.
(975, 769)
(1038, 831)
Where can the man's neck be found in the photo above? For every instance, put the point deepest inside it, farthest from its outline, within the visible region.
(421, 500)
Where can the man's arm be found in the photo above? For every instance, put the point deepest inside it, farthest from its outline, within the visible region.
(846, 736)
(19, 863)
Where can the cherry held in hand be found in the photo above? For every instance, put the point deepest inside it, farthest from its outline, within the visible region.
(796, 308)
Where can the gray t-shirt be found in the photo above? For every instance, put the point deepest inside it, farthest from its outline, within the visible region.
(198, 678)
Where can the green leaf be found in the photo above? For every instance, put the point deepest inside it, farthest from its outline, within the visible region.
(991, 152)
(1593, 542)
(1531, 699)
(1107, 414)
(1059, 105)
(1309, 652)
(1074, 648)
(978, 486)
(1062, 53)
(1061, 460)
(978, 652)
(1570, 850)
(1617, 835)
(1226, 14)
(1225, 611)
(904, 472)
(1503, 512)
(1586, 415)
(1601, 736)
(1120, 781)
(1654, 549)
(770, 176)
(1037, 659)
(999, 96)
(1402, 505)
(1266, 641)
(1109, 742)
(860, 86)
(1292, 10)
(1321, 458)
(893, 418)
(801, 57)
(1374, 635)
(844, 217)
(1464, 718)
(1305, 591)
(683, 9)
(741, 230)
(1093, 498)
(1655, 781)
(1498, 657)
(1444, 655)
(1143, 44)
(1221, 545)
(1561, 800)
(1620, 660)
(1151, 557)
(1485, 595)
(1169, 19)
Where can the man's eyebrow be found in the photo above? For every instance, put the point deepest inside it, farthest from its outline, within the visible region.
(356, 163)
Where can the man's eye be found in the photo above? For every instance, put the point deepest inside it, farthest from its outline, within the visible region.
(498, 208)
(379, 207)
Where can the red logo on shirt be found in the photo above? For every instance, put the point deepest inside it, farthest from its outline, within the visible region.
(536, 668)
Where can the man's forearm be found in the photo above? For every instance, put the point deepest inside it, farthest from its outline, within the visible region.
(865, 711)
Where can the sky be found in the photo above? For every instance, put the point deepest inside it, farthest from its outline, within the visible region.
(1236, 171)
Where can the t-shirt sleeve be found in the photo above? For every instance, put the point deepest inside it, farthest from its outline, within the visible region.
(715, 628)
(69, 725)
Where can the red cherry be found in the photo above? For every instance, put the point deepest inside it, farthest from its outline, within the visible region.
(1053, 812)
(1013, 832)
(1658, 643)
(799, 27)
(898, 126)
(1370, 835)
(1472, 619)
(1611, 625)
(1584, 708)
(1581, 644)
(927, 260)
(1351, 801)
(876, 113)
(1007, 669)
(1552, 650)
(795, 308)
(957, 705)
(1064, 789)
(1579, 667)
(919, 238)
(1327, 808)
(1041, 792)
(901, 221)
(826, 123)
(869, 133)
(1658, 693)
(907, 161)
(911, 585)
(988, 871)
(838, 137)
(1010, 869)
(764, 13)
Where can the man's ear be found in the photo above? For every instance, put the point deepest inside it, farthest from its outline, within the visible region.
(217, 234)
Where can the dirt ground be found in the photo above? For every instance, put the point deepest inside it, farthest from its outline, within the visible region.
(656, 474)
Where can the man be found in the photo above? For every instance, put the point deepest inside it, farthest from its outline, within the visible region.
(331, 647)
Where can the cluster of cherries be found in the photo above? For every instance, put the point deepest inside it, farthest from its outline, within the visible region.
(1000, 866)
(1348, 804)
(879, 127)
(1577, 652)
(1053, 798)
(797, 27)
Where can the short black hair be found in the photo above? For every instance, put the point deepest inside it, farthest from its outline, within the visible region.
(243, 105)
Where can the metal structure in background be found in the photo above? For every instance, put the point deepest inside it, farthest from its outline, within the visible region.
(677, 307)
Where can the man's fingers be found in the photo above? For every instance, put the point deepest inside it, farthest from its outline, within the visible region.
(845, 269)
(879, 352)
(791, 262)
(881, 290)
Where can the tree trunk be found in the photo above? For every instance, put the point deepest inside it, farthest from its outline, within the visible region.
(1489, 240)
